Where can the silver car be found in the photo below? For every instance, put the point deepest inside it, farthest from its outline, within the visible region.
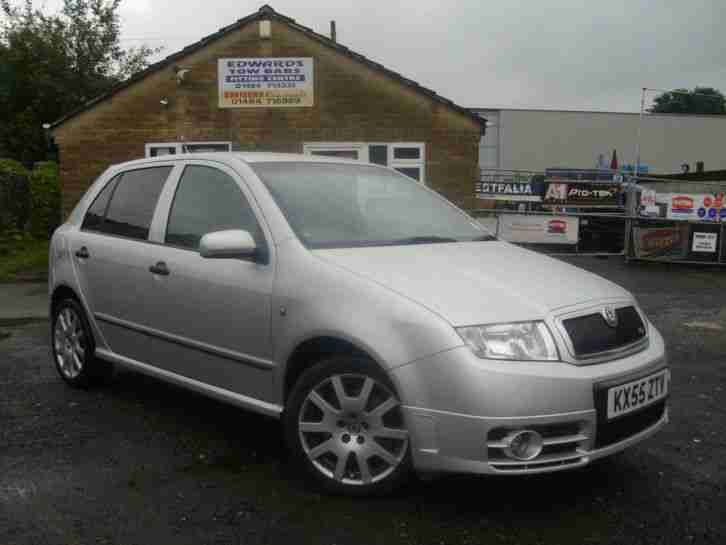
(386, 328)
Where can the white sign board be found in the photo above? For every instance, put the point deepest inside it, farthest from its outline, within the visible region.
(704, 242)
(279, 82)
(539, 229)
(647, 198)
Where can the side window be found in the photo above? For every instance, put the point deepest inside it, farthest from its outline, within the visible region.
(97, 211)
(208, 200)
(132, 205)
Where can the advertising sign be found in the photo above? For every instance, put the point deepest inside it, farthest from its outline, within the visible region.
(704, 242)
(661, 242)
(559, 192)
(503, 185)
(695, 206)
(280, 82)
(539, 229)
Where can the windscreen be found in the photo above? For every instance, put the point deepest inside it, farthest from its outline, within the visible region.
(332, 205)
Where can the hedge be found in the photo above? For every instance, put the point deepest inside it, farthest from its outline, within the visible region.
(29, 201)
(45, 197)
(15, 201)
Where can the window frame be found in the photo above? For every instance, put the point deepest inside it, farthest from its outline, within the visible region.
(118, 175)
(179, 147)
(166, 201)
(363, 148)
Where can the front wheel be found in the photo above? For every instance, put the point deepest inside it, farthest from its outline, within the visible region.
(343, 424)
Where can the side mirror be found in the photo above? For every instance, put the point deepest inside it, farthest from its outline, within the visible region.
(227, 244)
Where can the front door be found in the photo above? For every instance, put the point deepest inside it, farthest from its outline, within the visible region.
(210, 318)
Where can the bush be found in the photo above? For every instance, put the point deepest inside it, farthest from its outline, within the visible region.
(15, 200)
(45, 195)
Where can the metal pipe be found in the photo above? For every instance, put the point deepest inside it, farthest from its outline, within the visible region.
(640, 128)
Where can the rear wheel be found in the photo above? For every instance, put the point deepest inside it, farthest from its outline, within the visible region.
(343, 423)
(72, 346)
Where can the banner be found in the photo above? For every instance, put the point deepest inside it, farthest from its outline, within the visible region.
(694, 206)
(560, 192)
(539, 229)
(280, 82)
(661, 242)
(503, 185)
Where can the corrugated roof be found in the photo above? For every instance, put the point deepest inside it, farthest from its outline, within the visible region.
(267, 12)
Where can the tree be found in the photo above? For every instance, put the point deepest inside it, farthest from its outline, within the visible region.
(702, 100)
(52, 64)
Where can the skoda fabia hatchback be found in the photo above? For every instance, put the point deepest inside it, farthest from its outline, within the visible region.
(387, 329)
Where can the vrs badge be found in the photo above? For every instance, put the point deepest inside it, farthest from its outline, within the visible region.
(611, 317)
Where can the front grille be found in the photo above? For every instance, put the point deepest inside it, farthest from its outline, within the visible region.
(591, 334)
(609, 433)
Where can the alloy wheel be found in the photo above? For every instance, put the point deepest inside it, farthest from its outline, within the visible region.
(351, 429)
(69, 343)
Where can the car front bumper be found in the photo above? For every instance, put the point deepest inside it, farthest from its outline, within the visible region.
(459, 408)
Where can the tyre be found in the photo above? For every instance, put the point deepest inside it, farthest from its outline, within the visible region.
(344, 427)
(72, 346)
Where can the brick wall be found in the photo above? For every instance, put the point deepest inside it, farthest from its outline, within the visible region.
(353, 103)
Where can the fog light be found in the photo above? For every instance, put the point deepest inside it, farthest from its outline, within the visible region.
(523, 445)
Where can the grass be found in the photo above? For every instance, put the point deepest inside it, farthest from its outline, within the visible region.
(24, 259)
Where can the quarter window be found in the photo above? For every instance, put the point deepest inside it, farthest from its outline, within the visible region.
(133, 202)
(97, 211)
(208, 200)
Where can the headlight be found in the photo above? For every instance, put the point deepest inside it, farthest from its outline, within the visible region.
(517, 341)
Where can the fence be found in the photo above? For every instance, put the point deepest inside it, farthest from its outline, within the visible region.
(676, 220)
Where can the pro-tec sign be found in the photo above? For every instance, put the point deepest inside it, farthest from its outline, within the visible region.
(280, 82)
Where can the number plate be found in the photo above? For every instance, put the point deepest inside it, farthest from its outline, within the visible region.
(631, 396)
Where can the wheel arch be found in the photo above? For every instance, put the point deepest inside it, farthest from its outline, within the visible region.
(314, 349)
(60, 292)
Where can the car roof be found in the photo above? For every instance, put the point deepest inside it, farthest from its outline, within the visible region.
(245, 157)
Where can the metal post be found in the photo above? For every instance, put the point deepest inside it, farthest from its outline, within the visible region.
(640, 127)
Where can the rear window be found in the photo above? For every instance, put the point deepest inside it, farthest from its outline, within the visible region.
(133, 199)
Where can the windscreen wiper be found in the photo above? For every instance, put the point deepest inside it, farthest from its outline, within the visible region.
(484, 238)
(424, 240)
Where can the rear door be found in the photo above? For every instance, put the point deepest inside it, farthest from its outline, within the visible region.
(211, 317)
(111, 256)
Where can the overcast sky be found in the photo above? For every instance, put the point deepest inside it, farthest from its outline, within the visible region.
(553, 54)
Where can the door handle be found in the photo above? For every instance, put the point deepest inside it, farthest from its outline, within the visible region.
(160, 268)
(83, 253)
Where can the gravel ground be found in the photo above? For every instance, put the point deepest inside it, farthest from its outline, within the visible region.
(141, 462)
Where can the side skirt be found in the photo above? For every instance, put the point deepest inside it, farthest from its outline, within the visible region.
(227, 396)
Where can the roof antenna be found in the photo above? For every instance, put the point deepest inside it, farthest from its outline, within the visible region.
(332, 31)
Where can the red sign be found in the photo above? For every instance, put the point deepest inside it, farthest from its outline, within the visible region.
(681, 204)
(557, 226)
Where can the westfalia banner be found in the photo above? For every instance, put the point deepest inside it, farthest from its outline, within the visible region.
(560, 192)
(280, 82)
(509, 185)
